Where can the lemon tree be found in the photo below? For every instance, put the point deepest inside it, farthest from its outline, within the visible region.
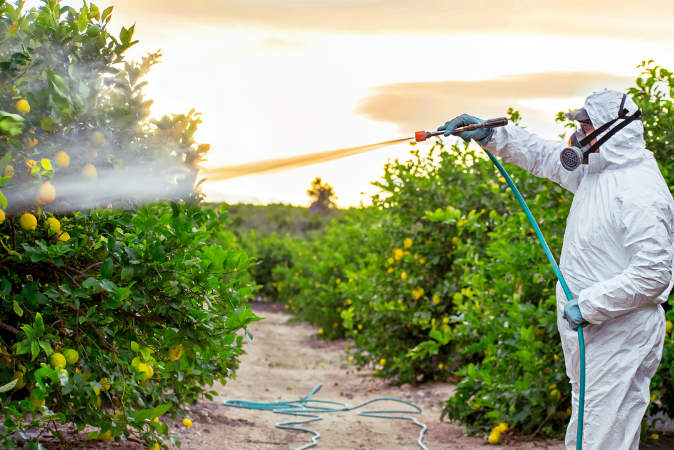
(109, 317)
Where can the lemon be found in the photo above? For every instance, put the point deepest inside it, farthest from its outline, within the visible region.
(501, 427)
(71, 355)
(668, 326)
(89, 171)
(403, 276)
(382, 362)
(9, 170)
(28, 221)
(97, 139)
(46, 193)
(407, 243)
(187, 422)
(62, 159)
(53, 224)
(105, 384)
(58, 361)
(20, 382)
(397, 254)
(154, 447)
(175, 352)
(320, 331)
(64, 237)
(2, 216)
(22, 106)
(30, 164)
(494, 437)
(436, 299)
(146, 369)
(107, 436)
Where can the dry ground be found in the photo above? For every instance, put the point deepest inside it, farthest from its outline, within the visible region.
(284, 362)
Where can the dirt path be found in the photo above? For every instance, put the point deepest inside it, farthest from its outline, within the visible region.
(284, 362)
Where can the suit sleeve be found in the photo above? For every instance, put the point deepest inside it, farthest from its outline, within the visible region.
(647, 236)
(536, 155)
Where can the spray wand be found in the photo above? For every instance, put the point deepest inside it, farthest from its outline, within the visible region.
(491, 123)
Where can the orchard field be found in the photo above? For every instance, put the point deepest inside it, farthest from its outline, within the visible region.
(123, 303)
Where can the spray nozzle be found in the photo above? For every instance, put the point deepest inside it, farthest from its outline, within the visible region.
(420, 136)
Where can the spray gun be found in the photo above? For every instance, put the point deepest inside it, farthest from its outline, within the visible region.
(491, 123)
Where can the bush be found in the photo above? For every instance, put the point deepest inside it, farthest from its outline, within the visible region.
(108, 318)
(150, 302)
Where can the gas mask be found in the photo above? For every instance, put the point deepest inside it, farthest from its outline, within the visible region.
(584, 141)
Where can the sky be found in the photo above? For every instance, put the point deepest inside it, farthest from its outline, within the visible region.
(276, 79)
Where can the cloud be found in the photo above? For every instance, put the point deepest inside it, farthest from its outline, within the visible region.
(418, 105)
(631, 20)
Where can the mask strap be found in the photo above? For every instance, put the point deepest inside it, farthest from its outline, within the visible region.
(622, 114)
(609, 135)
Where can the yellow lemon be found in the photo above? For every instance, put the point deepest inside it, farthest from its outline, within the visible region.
(494, 437)
(555, 394)
(403, 276)
(397, 254)
(418, 293)
(455, 240)
(2, 216)
(20, 382)
(46, 193)
(89, 171)
(175, 352)
(58, 361)
(53, 224)
(407, 243)
(63, 237)
(30, 164)
(154, 447)
(105, 384)
(187, 422)
(436, 299)
(501, 427)
(350, 358)
(146, 369)
(71, 355)
(9, 170)
(669, 326)
(22, 106)
(28, 221)
(320, 331)
(62, 159)
(382, 362)
(97, 139)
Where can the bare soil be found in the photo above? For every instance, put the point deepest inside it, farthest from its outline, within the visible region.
(284, 362)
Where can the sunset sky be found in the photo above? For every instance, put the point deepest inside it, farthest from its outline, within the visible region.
(282, 78)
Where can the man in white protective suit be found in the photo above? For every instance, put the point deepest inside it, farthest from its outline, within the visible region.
(617, 257)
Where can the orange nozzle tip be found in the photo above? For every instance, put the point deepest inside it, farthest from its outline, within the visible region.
(420, 136)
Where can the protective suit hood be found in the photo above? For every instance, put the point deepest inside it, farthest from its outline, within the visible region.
(627, 145)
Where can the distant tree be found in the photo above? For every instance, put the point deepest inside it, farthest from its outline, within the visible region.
(322, 195)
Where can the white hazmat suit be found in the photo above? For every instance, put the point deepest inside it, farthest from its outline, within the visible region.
(617, 260)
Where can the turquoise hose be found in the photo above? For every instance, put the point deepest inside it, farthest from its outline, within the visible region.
(562, 281)
(303, 408)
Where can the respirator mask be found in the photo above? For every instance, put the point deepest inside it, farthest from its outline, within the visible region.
(584, 140)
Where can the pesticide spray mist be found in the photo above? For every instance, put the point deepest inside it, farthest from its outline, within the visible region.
(272, 165)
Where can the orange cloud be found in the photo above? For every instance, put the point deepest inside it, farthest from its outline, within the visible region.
(416, 105)
(629, 20)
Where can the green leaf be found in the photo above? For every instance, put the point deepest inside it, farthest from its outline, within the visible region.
(9, 386)
(11, 124)
(149, 414)
(106, 268)
(17, 309)
(34, 349)
(82, 21)
(106, 13)
(38, 325)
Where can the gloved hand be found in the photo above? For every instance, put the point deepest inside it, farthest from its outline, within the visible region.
(573, 316)
(481, 135)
